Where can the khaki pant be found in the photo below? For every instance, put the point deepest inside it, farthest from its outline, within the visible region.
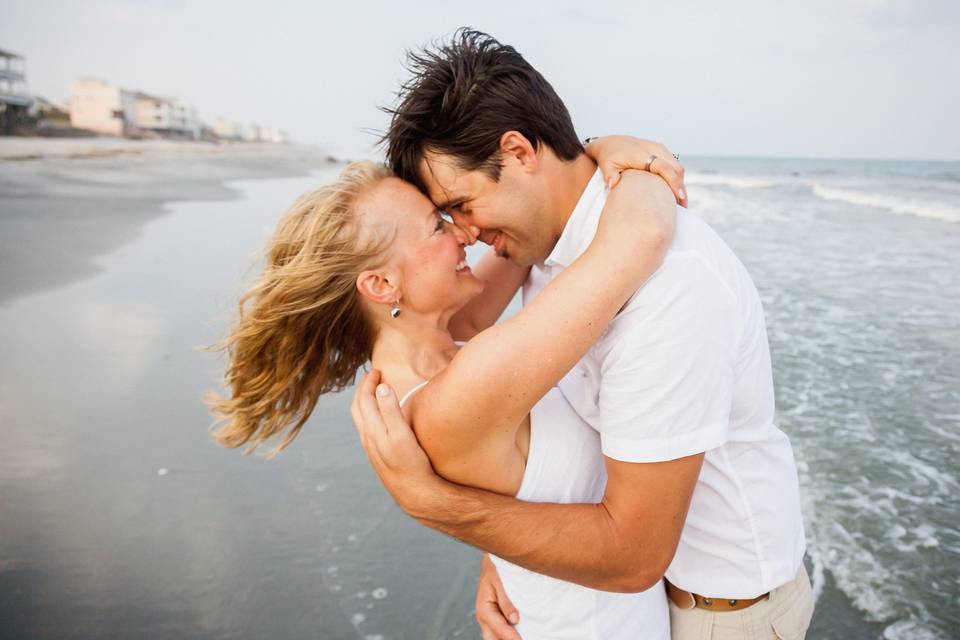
(785, 615)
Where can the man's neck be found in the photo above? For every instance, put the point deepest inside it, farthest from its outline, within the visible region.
(568, 180)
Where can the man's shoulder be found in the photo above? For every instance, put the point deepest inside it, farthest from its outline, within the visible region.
(691, 287)
(698, 259)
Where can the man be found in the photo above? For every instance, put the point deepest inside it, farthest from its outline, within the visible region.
(701, 486)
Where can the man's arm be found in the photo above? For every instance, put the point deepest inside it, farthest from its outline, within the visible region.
(624, 544)
(665, 397)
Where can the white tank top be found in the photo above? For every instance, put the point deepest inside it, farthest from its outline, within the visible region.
(565, 465)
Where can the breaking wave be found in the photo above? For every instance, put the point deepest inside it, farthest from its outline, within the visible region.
(922, 209)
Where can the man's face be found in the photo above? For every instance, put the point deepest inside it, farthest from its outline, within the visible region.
(508, 215)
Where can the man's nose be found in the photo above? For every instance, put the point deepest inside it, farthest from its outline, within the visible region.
(487, 236)
(467, 233)
(462, 221)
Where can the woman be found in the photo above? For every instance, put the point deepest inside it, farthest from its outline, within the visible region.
(366, 269)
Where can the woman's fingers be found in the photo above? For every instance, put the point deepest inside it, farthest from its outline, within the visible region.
(493, 625)
(611, 174)
(496, 614)
(672, 172)
(491, 617)
(509, 611)
(616, 154)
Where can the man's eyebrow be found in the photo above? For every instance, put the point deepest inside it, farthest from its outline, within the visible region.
(450, 203)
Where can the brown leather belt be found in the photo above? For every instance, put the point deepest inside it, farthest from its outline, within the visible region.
(687, 600)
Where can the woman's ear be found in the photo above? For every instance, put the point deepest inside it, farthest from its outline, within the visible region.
(378, 286)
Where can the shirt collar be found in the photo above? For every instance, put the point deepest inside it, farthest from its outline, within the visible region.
(581, 225)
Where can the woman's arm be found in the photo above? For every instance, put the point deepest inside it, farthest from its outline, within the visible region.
(501, 279)
(615, 154)
(494, 381)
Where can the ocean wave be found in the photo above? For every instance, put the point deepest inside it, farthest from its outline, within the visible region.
(738, 182)
(921, 209)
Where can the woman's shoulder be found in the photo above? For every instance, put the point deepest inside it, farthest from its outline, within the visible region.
(413, 390)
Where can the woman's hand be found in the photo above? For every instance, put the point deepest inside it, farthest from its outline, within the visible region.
(614, 154)
(496, 615)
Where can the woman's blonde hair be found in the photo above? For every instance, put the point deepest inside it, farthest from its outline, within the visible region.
(302, 330)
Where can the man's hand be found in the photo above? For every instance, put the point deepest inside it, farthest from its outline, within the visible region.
(614, 154)
(392, 447)
(496, 615)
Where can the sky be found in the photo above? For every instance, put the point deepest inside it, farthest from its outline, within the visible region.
(780, 78)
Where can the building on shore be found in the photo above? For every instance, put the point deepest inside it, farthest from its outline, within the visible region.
(227, 129)
(50, 118)
(168, 118)
(14, 98)
(272, 134)
(102, 108)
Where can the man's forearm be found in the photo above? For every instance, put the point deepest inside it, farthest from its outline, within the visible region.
(580, 543)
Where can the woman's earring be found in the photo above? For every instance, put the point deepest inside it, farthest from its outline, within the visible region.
(395, 309)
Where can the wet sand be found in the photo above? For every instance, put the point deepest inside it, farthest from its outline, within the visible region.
(120, 517)
(64, 202)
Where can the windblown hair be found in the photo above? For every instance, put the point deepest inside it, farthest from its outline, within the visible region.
(302, 330)
(462, 97)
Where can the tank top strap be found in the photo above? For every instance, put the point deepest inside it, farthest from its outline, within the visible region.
(416, 388)
(410, 393)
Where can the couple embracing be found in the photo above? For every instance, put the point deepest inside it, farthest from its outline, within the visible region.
(611, 446)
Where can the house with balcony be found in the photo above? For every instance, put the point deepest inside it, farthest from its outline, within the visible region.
(166, 117)
(14, 99)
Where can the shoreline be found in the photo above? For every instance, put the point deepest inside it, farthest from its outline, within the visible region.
(19, 149)
(113, 187)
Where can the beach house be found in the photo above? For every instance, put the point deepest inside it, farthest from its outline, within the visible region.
(14, 100)
(101, 107)
(166, 117)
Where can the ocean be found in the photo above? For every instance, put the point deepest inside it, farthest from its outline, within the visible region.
(121, 518)
(858, 265)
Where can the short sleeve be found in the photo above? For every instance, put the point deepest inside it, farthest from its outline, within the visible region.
(667, 367)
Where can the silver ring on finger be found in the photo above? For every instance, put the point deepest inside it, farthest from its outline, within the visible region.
(676, 156)
(650, 160)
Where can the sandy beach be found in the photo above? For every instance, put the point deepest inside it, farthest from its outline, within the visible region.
(79, 198)
(120, 517)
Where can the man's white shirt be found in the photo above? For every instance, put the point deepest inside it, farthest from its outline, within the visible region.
(684, 368)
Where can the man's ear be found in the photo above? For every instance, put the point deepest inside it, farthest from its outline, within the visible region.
(378, 286)
(514, 146)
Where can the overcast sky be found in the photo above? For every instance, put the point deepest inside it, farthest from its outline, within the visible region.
(848, 78)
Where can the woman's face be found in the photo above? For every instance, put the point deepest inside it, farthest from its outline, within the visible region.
(427, 252)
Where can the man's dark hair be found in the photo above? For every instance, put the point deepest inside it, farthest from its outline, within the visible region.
(463, 96)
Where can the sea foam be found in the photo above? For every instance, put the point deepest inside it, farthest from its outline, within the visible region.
(738, 182)
(923, 209)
